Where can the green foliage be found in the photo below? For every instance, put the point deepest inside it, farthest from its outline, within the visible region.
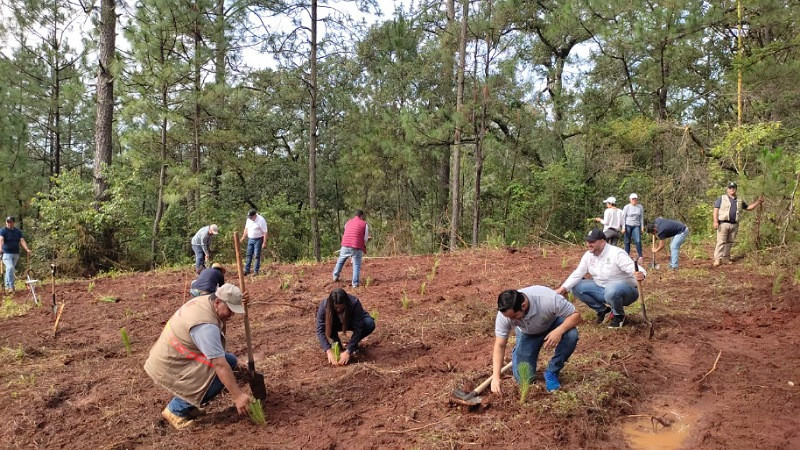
(90, 286)
(126, 340)
(10, 308)
(405, 302)
(525, 378)
(434, 269)
(256, 412)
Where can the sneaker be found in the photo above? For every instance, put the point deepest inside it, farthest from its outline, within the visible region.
(601, 316)
(551, 381)
(616, 322)
(177, 422)
(335, 279)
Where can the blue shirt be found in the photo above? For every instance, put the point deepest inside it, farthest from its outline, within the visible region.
(208, 338)
(208, 280)
(668, 228)
(11, 238)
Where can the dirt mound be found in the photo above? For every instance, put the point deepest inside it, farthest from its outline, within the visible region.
(435, 323)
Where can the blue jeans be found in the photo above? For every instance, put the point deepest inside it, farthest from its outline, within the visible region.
(253, 250)
(617, 294)
(10, 261)
(675, 247)
(182, 408)
(528, 346)
(344, 254)
(635, 233)
(199, 258)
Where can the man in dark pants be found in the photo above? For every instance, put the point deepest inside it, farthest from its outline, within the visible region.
(208, 280)
(10, 241)
(255, 230)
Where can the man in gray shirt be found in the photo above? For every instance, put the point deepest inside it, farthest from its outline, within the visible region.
(201, 245)
(542, 319)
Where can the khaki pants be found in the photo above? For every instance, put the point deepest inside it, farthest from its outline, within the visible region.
(726, 234)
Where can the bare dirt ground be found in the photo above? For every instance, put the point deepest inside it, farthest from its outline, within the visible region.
(81, 390)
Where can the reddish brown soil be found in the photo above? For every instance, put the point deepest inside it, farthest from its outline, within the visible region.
(80, 390)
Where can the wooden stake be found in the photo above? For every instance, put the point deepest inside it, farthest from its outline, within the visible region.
(58, 319)
(185, 287)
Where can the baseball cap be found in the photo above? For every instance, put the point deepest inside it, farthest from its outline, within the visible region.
(10, 219)
(252, 212)
(632, 196)
(611, 200)
(732, 185)
(232, 296)
(595, 234)
(219, 266)
(214, 228)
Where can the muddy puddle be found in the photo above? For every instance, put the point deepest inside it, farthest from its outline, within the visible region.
(667, 431)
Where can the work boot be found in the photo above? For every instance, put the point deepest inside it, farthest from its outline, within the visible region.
(617, 321)
(601, 315)
(551, 382)
(716, 263)
(728, 262)
(177, 422)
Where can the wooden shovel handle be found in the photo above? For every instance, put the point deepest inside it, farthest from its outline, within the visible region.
(251, 365)
(482, 387)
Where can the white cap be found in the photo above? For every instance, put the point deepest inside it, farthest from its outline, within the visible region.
(611, 200)
(633, 196)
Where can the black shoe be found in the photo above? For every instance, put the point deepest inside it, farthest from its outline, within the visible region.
(616, 322)
(601, 316)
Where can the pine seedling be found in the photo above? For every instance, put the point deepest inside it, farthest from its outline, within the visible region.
(374, 314)
(367, 282)
(564, 262)
(524, 370)
(435, 267)
(256, 412)
(405, 301)
(126, 340)
(422, 288)
(337, 350)
(90, 286)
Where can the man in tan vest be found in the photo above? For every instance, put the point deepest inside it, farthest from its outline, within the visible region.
(726, 221)
(189, 358)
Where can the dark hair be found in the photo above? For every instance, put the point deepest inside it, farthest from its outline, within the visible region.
(510, 299)
(337, 297)
(650, 228)
(359, 213)
(252, 212)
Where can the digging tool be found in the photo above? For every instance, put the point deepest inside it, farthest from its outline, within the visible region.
(653, 264)
(31, 282)
(257, 386)
(644, 307)
(473, 397)
(53, 286)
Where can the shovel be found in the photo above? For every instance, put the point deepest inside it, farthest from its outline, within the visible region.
(257, 386)
(53, 286)
(473, 397)
(641, 299)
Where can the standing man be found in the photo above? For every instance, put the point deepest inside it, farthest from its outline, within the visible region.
(10, 240)
(542, 318)
(613, 225)
(633, 220)
(189, 357)
(613, 279)
(255, 228)
(665, 229)
(726, 222)
(208, 280)
(354, 243)
(201, 244)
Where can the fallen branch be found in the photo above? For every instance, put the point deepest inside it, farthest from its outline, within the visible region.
(713, 368)
(409, 429)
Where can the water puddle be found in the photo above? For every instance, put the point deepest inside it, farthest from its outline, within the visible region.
(664, 432)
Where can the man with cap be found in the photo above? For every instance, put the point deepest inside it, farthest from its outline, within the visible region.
(208, 280)
(613, 283)
(633, 221)
(10, 240)
(255, 229)
(612, 221)
(726, 222)
(189, 358)
(664, 229)
(201, 244)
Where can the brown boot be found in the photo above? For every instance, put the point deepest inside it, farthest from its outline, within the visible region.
(716, 263)
(177, 422)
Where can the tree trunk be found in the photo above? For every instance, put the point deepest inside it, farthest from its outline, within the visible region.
(162, 176)
(455, 179)
(105, 99)
(312, 135)
(195, 196)
(476, 212)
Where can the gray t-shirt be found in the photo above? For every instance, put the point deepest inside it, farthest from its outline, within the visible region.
(632, 215)
(208, 338)
(545, 307)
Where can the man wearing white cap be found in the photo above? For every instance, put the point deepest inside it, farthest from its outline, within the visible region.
(201, 245)
(189, 357)
(633, 220)
(612, 221)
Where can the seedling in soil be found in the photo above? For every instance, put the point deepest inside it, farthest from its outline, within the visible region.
(405, 301)
(776, 284)
(126, 340)
(108, 299)
(435, 267)
(524, 370)
(90, 286)
(544, 254)
(336, 351)
(286, 281)
(564, 262)
(422, 288)
(256, 412)
(367, 282)
(374, 314)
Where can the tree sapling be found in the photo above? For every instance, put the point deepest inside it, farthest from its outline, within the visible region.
(337, 350)
(126, 340)
(256, 412)
(524, 370)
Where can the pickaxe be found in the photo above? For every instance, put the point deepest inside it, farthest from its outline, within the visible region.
(473, 397)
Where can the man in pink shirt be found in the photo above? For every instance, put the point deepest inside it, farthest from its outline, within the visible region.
(354, 243)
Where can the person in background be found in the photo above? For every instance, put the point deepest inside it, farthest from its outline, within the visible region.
(354, 244)
(612, 221)
(255, 229)
(633, 220)
(726, 222)
(208, 280)
(10, 241)
(342, 312)
(664, 229)
(201, 244)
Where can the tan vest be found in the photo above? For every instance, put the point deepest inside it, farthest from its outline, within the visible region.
(175, 363)
(725, 208)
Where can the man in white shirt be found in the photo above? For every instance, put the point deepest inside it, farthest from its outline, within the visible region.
(255, 229)
(613, 279)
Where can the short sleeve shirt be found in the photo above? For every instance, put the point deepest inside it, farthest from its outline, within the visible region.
(545, 307)
(11, 238)
(208, 338)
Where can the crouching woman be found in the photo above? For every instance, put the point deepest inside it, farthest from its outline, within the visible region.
(342, 312)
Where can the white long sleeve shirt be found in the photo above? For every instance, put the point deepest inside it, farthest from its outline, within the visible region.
(612, 218)
(613, 264)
